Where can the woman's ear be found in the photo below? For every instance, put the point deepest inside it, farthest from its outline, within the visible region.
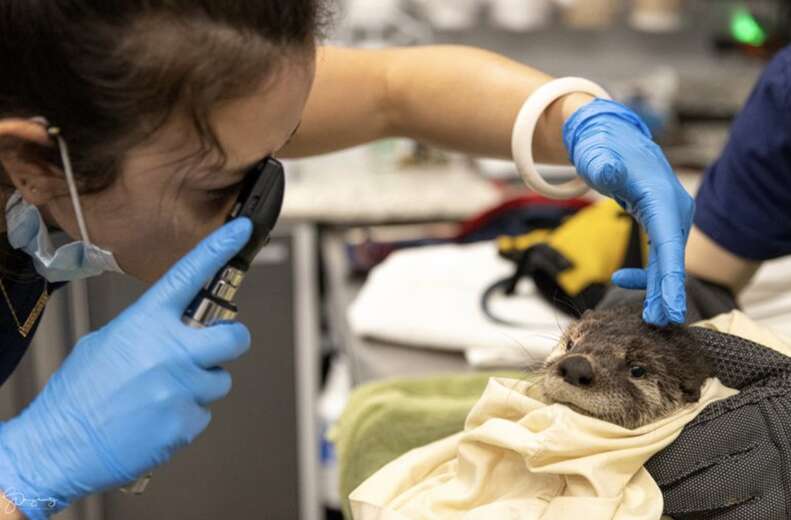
(36, 179)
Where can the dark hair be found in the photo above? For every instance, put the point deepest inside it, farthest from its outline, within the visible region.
(110, 73)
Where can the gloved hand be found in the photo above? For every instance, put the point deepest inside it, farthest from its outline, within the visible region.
(613, 152)
(128, 395)
(733, 461)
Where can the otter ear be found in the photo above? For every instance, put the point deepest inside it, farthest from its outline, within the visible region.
(691, 391)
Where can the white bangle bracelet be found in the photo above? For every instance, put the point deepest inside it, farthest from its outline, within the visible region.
(525, 126)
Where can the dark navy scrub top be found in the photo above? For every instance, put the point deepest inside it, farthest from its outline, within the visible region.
(744, 203)
(26, 292)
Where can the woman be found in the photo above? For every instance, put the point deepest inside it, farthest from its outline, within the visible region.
(153, 110)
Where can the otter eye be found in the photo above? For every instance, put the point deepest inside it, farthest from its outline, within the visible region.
(637, 372)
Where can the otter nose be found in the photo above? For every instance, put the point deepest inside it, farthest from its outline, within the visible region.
(576, 370)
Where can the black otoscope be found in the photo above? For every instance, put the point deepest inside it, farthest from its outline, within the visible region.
(260, 200)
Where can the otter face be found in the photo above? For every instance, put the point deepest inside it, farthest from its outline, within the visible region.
(613, 366)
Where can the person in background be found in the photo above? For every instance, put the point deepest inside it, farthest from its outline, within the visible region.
(153, 110)
(731, 464)
(743, 215)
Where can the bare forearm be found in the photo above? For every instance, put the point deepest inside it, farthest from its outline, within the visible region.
(458, 98)
(467, 99)
(346, 106)
(707, 260)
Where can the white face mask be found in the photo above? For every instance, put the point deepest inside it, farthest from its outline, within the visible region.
(28, 232)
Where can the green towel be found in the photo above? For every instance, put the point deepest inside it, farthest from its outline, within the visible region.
(384, 420)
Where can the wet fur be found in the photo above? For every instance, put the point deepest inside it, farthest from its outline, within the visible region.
(614, 341)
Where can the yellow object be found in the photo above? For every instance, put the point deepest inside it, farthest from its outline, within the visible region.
(594, 242)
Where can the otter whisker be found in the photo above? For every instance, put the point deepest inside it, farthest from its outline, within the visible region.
(533, 360)
(539, 376)
(566, 302)
(545, 336)
(555, 315)
(624, 371)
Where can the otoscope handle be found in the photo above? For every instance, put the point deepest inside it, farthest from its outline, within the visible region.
(204, 311)
(260, 200)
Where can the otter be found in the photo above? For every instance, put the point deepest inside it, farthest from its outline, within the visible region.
(613, 366)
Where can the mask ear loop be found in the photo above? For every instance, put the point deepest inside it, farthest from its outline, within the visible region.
(54, 132)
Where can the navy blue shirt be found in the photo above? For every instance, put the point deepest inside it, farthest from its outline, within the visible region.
(744, 203)
(27, 292)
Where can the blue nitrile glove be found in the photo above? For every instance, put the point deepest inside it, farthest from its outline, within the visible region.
(613, 152)
(128, 395)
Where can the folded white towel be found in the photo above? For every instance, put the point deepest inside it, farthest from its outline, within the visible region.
(431, 297)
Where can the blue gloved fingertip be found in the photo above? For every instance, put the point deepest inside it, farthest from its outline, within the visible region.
(678, 317)
(652, 313)
(674, 297)
(630, 278)
(239, 227)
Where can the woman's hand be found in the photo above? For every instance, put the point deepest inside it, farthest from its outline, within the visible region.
(613, 152)
(129, 395)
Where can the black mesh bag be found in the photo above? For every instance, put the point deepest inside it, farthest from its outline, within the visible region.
(733, 461)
